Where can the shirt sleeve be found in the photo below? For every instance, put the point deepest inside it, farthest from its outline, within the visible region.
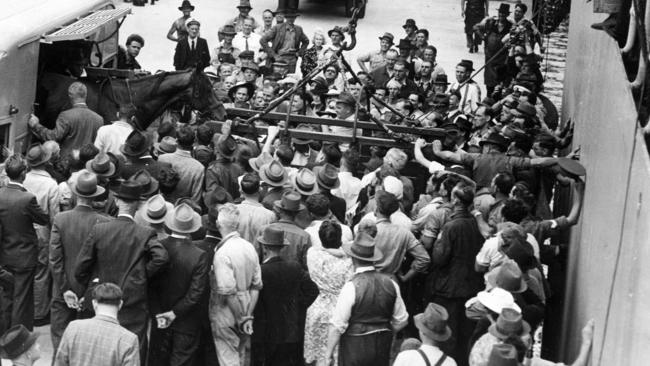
(225, 276)
(343, 308)
(435, 166)
(421, 258)
(484, 256)
(400, 316)
(517, 162)
(468, 158)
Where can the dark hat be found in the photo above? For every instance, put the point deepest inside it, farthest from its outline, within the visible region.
(118, 161)
(217, 196)
(318, 85)
(451, 129)
(86, 185)
(495, 138)
(290, 13)
(129, 190)
(257, 162)
(167, 145)
(250, 65)
(405, 44)
(244, 4)
(183, 219)
(16, 341)
(186, 5)
(507, 276)
(290, 201)
(246, 54)
(504, 8)
(467, 64)
(571, 167)
(513, 132)
(148, 184)
(410, 23)
(101, 165)
(503, 354)
(327, 176)
(226, 146)
(229, 29)
(298, 141)
(280, 63)
(326, 112)
(526, 109)
(304, 181)
(250, 89)
(346, 98)
(273, 174)
(136, 144)
(273, 237)
(336, 29)
(388, 36)
(37, 155)
(440, 99)
(441, 79)
(509, 323)
(433, 322)
(463, 123)
(156, 209)
(363, 248)
(487, 102)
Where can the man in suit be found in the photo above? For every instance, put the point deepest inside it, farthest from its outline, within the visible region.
(382, 74)
(69, 230)
(136, 149)
(177, 291)
(75, 127)
(127, 254)
(192, 51)
(280, 312)
(19, 211)
(288, 41)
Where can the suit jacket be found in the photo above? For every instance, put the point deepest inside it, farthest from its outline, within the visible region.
(287, 293)
(127, 254)
(147, 163)
(208, 245)
(75, 127)
(184, 58)
(181, 286)
(69, 230)
(19, 211)
(276, 36)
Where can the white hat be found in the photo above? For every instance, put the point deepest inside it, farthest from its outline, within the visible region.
(394, 186)
(497, 299)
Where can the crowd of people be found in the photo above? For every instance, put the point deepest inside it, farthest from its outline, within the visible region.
(187, 244)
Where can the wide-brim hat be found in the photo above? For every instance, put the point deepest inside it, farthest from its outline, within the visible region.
(433, 322)
(363, 248)
(250, 65)
(250, 89)
(504, 8)
(167, 145)
(226, 146)
(346, 98)
(507, 276)
(290, 201)
(244, 4)
(156, 210)
(389, 36)
(186, 5)
(304, 181)
(129, 190)
(257, 162)
(16, 341)
(441, 79)
(510, 323)
(149, 185)
(288, 13)
(101, 165)
(405, 44)
(228, 29)
(273, 174)
(336, 29)
(467, 64)
(86, 185)
(327, 176)
(136, 144)
(326, 112)
(410, 23)
(497, 299)
(183, 219)
(37, 155)
(495, 138)
(273, 237)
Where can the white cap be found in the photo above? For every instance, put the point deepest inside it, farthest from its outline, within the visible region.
(497, 299)
(394, 186)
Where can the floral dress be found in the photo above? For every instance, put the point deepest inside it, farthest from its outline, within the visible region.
(329, 269)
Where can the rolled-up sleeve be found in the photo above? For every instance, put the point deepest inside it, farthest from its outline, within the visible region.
(400, 315)
(343, 308)
(421, 258)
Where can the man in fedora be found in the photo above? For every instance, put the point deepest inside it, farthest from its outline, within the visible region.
(69, 230)
(223, 172)
(239, 21)
(226, 52)
(288, 41)
(177, 291)
(275, 178)
(137, 151)
(493, 30)
(192, 51)
(178, 29)
(235, 292)
(20, 346)
(345, 109)
(410, 27)
(253, 216)
(44, 187)
(327, 179)
(190, 171)
(376, 59)
(368, 312)
(280, 311)
(434, 331)
(19, 244)
(509, 325)
(286, 210)
(153, 213)
(470, 91)
(128, 254)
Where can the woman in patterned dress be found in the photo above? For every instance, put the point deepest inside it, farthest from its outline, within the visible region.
(311, 58)
(329, 267)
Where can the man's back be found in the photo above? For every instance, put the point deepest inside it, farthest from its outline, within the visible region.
(111, 137)
(252, 218)
(299, 242)
(190, 173)
(82, 124)
(99, 341)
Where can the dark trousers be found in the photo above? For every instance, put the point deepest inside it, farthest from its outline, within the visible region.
(60, 316)
(18, 306)
(368, 350)
(461, 328)
(277, 354)
(206, 354)
(172, 348)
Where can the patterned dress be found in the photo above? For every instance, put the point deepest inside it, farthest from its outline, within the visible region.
(329, 269)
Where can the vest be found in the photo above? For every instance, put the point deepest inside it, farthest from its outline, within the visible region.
(374, 301)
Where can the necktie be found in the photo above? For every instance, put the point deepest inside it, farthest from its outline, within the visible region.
(246, 43)
(192, 45)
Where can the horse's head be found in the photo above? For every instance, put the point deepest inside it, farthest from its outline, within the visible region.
(203, 98)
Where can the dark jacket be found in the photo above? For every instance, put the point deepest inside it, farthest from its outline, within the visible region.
(180, 287)
(208, 245)
(19, 211)
(149, 164)
(288, 291)
(184, 58)
(75, 127)
(276, 36)
(127, 254)
(69, 230)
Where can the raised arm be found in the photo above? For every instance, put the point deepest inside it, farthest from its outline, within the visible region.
(454, 157)
(576, 207)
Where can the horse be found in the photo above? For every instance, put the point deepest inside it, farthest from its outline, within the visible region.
(151, 96)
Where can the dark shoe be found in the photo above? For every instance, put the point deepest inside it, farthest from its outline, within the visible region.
(471, 49)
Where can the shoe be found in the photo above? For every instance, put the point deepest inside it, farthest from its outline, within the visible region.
(471, 49)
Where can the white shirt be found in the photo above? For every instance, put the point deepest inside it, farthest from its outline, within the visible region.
(470, 95)
(398, 218)
(414, 358)
(348, 190)
(111, 137)
(491, 256)
(190, 40)
(253, 43)
(343, 310)
(314, 227)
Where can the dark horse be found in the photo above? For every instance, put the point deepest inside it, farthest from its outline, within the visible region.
(151, 95)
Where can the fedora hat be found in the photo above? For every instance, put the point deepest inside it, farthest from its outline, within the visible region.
(148, 184)
(433, 322)
(346, 98)
(86, 185)
(156, 209)
(217, 196)
(299, 141)
(507, 276)
(363, 248)
(467, 64)
(440, 99)
(327, 176)
(250, 65)
(526, 109)
(503, 354)
(388, 36)
(118, 161)
(504, 8)
(183, 219)
(326, 112)
(16, 341)
(497, 299)
(487, 102)
(101, 165)
(405, 44)
(463, 123)
(226, 146)
(228, 30)
(336, 29)
(257, 162)
(167, 145)
(290, 201)
(509, 323)
(304, 181)
(273, 174)
(244, 4)
(186, 5)
(410, 23)
(290, 13)
(136, 144)
(441, 79)
(495, 138)
(273, 237)
(250, 89)
(37, 155)
(247, 54)
(129, 191)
